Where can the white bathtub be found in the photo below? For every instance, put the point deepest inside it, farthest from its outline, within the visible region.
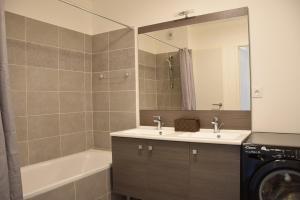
(46, 176)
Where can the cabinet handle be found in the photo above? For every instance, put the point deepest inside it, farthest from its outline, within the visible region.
(140, 147)
(194, 151)
(150, 148)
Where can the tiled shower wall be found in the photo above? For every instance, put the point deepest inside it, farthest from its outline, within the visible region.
(147, 81)
(155, 83)
(69, 89)
(50, 77)
(114, 92)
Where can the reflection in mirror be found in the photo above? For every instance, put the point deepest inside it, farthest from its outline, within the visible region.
(201, 66)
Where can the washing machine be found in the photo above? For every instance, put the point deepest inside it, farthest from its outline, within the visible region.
(270, 167)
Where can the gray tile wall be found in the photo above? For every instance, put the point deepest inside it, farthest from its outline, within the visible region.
(155, 84)
(147, 81)
(168, 98)
(113, 84)
(51, 85)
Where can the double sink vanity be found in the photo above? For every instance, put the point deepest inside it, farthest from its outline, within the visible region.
(192, 68)
(163, 164)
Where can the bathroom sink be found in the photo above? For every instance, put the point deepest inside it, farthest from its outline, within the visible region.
(149, 131)
(222, 135)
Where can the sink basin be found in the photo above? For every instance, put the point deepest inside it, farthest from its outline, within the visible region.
(148, 131)
(224, 136)
(209, 134)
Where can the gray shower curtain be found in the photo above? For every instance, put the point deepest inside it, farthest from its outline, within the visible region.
(187, 80)
(10, 177)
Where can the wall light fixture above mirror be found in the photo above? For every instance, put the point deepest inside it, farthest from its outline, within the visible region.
(197, 63)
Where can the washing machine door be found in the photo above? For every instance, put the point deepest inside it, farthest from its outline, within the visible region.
(278, 180)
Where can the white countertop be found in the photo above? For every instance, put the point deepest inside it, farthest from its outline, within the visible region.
(230, 137)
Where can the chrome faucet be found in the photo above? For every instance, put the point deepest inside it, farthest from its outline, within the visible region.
(157, 120)
(217, 125)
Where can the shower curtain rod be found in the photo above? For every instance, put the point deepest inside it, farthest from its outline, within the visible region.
(171, 45)
(96, 14)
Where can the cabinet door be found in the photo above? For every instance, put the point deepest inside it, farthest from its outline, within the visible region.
(129, 166)
(214, 172)
(168, 170)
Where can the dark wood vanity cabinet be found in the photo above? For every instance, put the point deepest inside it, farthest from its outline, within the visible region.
(156, 170)
(214, 172)
(129, 166)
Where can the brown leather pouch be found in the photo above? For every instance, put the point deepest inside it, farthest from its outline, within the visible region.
(187, 125)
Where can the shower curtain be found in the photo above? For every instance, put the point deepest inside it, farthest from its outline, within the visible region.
(187, 80)
(10, 176)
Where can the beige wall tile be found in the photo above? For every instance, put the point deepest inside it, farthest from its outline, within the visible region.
(100, 84)
(120, 39)
(43, 126)
(150, 59)
(16, 52)
(119, 80)
(150, 101)
(71, 81)
(73, 143)
(88, 82)
(150, 73)
(71, 102)
(100, 62)
(101, 121)
(142, 57)
(163, 86)
(162, 73)
(17, 77)
(43, 56)
(101, 101)
(44, 149)
(141, 85)
(15, 26)
(71, 123)
(163, 101)
(122, 101)
(100, 42)
(89, 140)
(65, 192)
(88, 97)
(88, 62)
(41, 32)
(92, 187)
(23, 153)
(161, 59)
(42, 79)
(71, 60)
(21, 127)
(150, 86)
(42, 103)
(19, 102)
(89, 121)
(121, 59)
(122, 121)
(72, 40)
(102, 140)
(88, 43)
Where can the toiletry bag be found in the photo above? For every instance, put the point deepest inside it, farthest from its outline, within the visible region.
(187, 125)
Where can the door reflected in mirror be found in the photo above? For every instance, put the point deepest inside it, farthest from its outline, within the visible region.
(200, 66)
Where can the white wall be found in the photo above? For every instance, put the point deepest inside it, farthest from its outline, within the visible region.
(218, 42)
(54, 12)
(275, 47)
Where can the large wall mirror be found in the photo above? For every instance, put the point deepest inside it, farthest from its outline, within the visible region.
(197, 63)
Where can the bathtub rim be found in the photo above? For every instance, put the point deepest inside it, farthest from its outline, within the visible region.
(66, 181)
